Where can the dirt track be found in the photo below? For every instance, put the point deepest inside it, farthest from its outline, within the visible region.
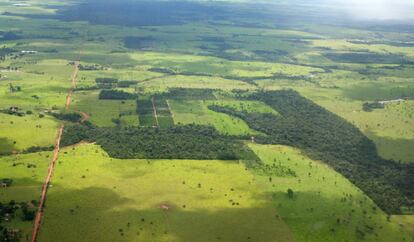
(73, 80)
(85, 117)
(155, 112)
(39, 214)
(52, 164)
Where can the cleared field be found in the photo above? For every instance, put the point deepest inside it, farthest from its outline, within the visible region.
(245, 106)
(96, 198)
(103, 112)
(194, 64)
(325, 206)
(240, 46)
(43, 84)
(188, 112)
(145, 111)
(390, 128)
(27, 173)
(406, 221)
(338, 44)
(20, 133)
(180, 81)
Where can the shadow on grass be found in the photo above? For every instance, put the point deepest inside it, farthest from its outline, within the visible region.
(394, 148)
(100, 214)
(6, 146)
(312, 216)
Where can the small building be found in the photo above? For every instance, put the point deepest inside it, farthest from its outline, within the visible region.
(28, 52)
(6, 182)
(14, 109)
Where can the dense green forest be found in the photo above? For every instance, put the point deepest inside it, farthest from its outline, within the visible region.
(188, 94)
(181, 142)
(72, 117)
(116, 95)
(328, 137)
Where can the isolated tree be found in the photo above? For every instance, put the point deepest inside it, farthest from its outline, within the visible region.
(290, 193)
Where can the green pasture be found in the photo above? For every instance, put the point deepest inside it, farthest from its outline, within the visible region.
(102, 112)
(390, 128)
(96, 198)
(325, 205)
(28, 173)
(196, 111)
(20, 133)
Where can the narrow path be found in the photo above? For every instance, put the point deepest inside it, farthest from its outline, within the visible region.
(85, 117)
(52, 164)
(73, 86)
(170, 110)
(155, 113)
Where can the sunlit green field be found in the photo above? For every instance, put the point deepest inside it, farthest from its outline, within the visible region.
(28, 173)
(93, 197)
(390, 128)
(103, 112)
(188, 112)
(166, 200)
(156, 200)
(325, 206)
(20, 133)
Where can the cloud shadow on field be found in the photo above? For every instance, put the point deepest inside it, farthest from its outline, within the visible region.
(79, 215)
(313, 216)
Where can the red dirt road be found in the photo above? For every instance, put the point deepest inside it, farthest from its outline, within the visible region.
(51, 168)
(39, 214)
(73, 80)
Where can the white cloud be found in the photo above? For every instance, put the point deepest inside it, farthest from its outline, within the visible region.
(378, 9)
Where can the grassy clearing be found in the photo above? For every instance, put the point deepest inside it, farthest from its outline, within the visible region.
(180, 81)
(180, 63)
(102, 112)
(27, 131)
(407, 221)
(390, 128)
(246, 106)
(96, 198)
(44, 84)
(27, 182)
(343, 45)
(188, 112)
(325, 205)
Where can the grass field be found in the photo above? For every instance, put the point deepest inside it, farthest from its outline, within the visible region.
(188, 112)
(233, 47)
(325, 206)
(27, 172)
(390, 128)
(20, 133)
(206, 201)
(102, 112)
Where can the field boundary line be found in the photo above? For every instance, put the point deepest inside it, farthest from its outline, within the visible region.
(169, 109)
(155, 112)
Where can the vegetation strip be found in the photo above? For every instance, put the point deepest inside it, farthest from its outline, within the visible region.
(179, 142)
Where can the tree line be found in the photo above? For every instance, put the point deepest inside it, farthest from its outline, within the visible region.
(328, 137)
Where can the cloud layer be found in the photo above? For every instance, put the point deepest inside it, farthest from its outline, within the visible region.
(400, 10)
